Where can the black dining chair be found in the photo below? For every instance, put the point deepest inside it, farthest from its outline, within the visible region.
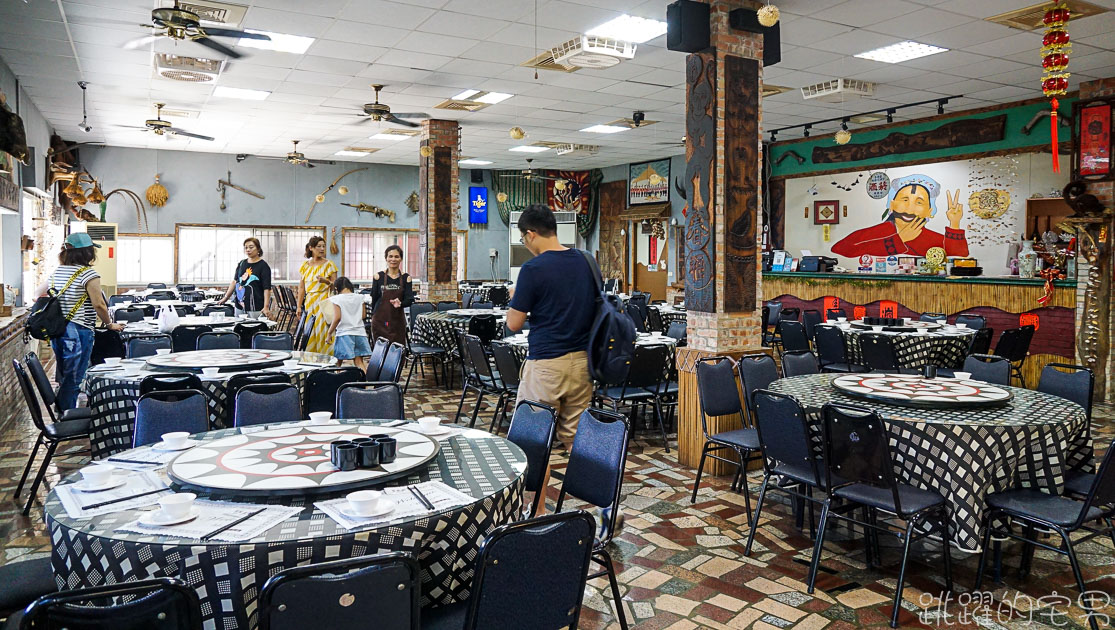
(265, 404)
(971, 320)
(128, 315)
(718, 395)
(877, 351)
(594, 474)
(1075, 383)
(156, 285)
(640, 387)
(370, 399)
(860, 473)
(790, 336)
(166, 411)
(481, 376)
(376, 358)
(161, 296)
(320, 388)
(756, 371)
(344, 594)
(247, 330)
(655, 323)
(113, 300)
(932, 317)
(192, 297)
(834, 314)
(276, 340)
(810, 317)
(184, 336)
(185, 287)
(678, 331)
(446, 305)
(1038, 511)
(483, 327)
(48, 394)
(392, 367)
(164, 603)
(218, 341)
(236, 382)
(766, 333)
(981, 341)
(305, 331)
(1014, 346)
(988, 368)
(638, 315)
(533, 427)
(499, 296)
(829, 343)
(481, 305)
(799, 363)
(164, 382)
(508, 367)
(146, 346)
(25, 580)
(223, 309)
(553, 545)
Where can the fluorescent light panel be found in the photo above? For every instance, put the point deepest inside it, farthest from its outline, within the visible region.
(604, 129)
(474, 162)
(241, 93)
(527, 148)
(280, 42)
(347, 153)
(630, 29)
(466, 95)
(902, 51)
(388, 136)
(492, 98)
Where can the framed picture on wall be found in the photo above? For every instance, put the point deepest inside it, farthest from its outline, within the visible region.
(1092, 144)
(826, 212)
(648, 182)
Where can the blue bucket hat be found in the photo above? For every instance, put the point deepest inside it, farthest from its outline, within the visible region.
(79, 240)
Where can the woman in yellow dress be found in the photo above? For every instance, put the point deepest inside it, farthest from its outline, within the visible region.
(318, 274)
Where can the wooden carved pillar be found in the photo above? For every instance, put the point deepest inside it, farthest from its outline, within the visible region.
(1093, 340)
(437, 212)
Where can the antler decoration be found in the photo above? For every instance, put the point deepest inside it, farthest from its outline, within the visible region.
(321, 196)
(141, 210)
(376, 210)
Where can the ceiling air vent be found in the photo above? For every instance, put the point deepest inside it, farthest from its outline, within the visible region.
(592, 51)
(398, 132)
(216, 12)
(837, 90)
(1030, 18)
(362, 149)
(545, 61)
(187, 69)
(576, 149)
(179, 113)
(461, 106)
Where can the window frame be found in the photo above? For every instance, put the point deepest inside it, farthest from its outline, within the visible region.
(456, 232)
(120, 235)
(241, 226)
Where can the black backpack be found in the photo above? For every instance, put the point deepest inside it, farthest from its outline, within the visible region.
(612, 340)
(46, 319)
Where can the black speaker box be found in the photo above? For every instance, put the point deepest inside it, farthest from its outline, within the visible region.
(748, 20)
(477, 175)
(687, 26)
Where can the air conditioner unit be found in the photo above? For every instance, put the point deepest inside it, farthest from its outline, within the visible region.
(103, 234)
(187, 69)
(591, 51)
(837, 90)
(566, 233)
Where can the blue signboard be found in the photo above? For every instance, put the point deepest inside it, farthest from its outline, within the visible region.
(477, 204)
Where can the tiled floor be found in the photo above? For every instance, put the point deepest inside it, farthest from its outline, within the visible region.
(682, 566)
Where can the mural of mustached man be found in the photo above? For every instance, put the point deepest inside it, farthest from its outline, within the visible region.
(911, 205)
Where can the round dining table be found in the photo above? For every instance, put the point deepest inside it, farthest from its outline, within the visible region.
(966, 452)
(943, 346)
(113, 393)
(105, 549)
(440, 328)
(151, 326)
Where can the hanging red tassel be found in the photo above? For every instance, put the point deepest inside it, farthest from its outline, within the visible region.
(1053, 137)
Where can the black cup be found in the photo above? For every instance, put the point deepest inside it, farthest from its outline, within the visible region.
(369, 454)
(363, 440)
(930, 371)
(388, 449)
(375, 436)
(348, 456)
(333, 451)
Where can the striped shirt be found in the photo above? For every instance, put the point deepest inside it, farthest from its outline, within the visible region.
(86, 315)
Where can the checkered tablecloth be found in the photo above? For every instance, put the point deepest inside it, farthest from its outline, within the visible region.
(967, 452)
(228, 576)
(441, 328)
(946, 348)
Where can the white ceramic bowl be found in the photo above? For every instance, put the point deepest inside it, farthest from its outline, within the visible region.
(962, 326)
(320, 417)
(113, 361)
(96, 475)
(364, 501)
(962, 375)
(178, 504)
(175, 439)
(877, 329)
(429, 423)
(290, 363)
(132, 370)
(211, 371)
(841, 319)
(162, 351)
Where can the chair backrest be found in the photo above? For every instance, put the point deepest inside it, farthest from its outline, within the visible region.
(156, 604)
(446, 305)
(191, 296)
(218, 341)
(266, 403)
(375, 360)
(160, 296)
(1071, 382)
(856, 449)
(654, 319)
(113, 300)
(165, 411)
(988, 368)
(182, 310)
(393, 363)
(829, 342)
(186, 287)
(29, 395)
(792, 333)
(370, 399)
(677, 330)
(648, 367)
(164, 382)
(981, 341)
(381, 590)
(638, 314)
(558, 546)
(499, 295)
(128, 315)
(833, 314)
(419, 308)
(225, 309)
(466, 299)
(481, 305)
(247, 330)
(532, 429)
(507, 363)
(479, 358)
(774, 309)
(789, 313)
(784, 434)
(146, 345)
(305, 332)
(184, 336)
(1102, 492)
(156, 285)
(236, 382)
(640, 299)
(41, 380)
(877, 350)
(717, 391)
(756, 371)
(610, 285)
(766, 322)
(810, 317)
(486, 327)
(320, 389)
(1014, 343)
(799, 362)
(932, 317)
(596, 462)
(971, 320)
(273, 340)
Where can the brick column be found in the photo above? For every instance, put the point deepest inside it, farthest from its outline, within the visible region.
(438, 191)
(722, 179)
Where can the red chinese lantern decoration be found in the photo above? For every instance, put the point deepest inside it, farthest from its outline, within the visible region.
(1055, 49)
(1028, 319)
(888, 308)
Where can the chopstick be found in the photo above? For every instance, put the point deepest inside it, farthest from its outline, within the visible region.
(132, 461)
(121, 499)
(421, 497)
(231, 525)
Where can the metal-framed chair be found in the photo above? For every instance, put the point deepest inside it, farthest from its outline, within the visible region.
(370, 399)
(932, 317)
(641, 386)
(236, 382)
(1076, 383)
(248, 329)
(128, 315)
(790, 336)
(218, 341)
(810, 317)
(273, 340)
(48, 394)
(165, 603)
(480, 376)
(981, 341)
(376, 358)
(1014, 346)
(799, 362)
(184, 336)
(877, 351)
(113, 300)
(166, 411)
(971, 320)
(446, 305)
(223, 309)
(145, 346)
(392, 367)
(718, 395)
(319, 393)
(533, 427)
(165, 382)
(265, 404)
(829, 343)
(25, 581)
(508, 367)
(834, 314)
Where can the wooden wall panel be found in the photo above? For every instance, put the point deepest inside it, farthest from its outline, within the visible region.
(612, 248)
(741, 182)
(700, 173)
(776, 219)
(443, 214)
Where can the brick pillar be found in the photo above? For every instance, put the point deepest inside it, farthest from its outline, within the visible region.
(437, 196)
(723, 226)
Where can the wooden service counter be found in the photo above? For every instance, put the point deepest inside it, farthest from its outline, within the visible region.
(12, 346)
(1005, 302)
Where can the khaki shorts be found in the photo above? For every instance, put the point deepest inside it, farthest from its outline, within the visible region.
(562, 383)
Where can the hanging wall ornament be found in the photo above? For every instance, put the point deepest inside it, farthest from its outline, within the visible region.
(157, 194)
(843, 136)
(768, 15)
(1055, 49)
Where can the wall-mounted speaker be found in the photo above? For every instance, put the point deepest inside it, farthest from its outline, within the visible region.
(748, 20)
(687, 26)
(477, 176)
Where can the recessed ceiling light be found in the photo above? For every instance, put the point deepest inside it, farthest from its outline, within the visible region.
(388, 136)
(902, 51)
(493, 97)
(529, 148)
(280, 42)
(347, 153)
(630, 29)
(241, 93)
(474, 162)
(466, 95)
(604, 129)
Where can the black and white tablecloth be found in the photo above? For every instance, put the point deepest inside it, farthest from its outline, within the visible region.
(228, 576)
(441, 328)
(112, 399)
(945, 348)
(966, 453)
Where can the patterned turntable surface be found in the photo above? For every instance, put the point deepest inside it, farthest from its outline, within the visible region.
(915, 391)
(294, 460)
(228, 359)
(908, 326)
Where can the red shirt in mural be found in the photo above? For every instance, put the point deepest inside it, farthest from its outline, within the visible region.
(883, 240)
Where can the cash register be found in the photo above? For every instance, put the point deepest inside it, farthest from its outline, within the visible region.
(822, 264)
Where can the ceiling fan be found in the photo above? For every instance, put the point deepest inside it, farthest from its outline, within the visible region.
(163, 127)
(381, 112)
(529, 174)
(294, 158)
(181, 25)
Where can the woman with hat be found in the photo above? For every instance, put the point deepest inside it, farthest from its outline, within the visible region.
(78, 288)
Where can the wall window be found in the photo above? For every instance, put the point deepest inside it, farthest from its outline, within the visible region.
(143, 258)
(364, 248)
(208, 254)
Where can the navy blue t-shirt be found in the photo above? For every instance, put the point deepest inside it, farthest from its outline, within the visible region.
(559, 292)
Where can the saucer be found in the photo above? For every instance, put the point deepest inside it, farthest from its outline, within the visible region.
(115, 482)
(386, 506)
(159, 447)
(441, 429)
(155, 518)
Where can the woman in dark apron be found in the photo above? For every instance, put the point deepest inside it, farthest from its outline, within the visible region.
(391, 293)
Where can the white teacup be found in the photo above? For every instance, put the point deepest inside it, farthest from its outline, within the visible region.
(217, 317)
(178, 504)
(526, 332)
(290, 363)
(877, 329)
(841, 319)
(942, 322)
(429, 423)
(962, 326)
(96, 475)
(132, 369)
(320, 417)
(162, 351)
(962, 375)
(364, 501)
(211, 371)
(113, 361)
(149, 320)
(655, 333)
(175, 440)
